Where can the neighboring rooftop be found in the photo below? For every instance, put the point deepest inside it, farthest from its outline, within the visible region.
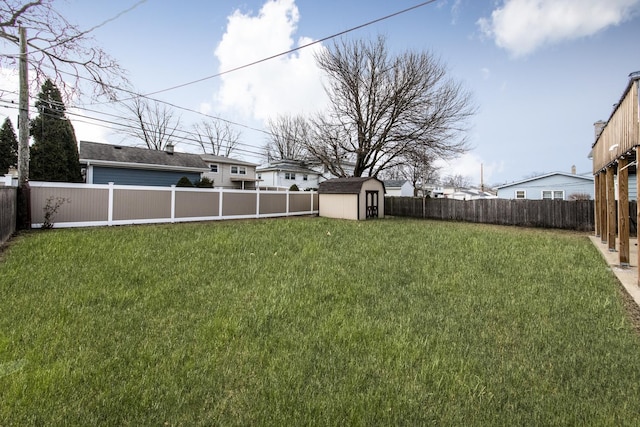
(393, 183)
(534, 178)
(119, 154)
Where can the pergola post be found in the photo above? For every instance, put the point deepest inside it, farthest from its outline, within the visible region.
(603, 207)
(623, 211)
(637, 212)
(597, 201)
(611, 211)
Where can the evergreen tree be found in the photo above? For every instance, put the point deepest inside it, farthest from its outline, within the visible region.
(8, 147)
(54, 153)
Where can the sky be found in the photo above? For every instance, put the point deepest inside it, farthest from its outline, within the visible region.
(540, 72)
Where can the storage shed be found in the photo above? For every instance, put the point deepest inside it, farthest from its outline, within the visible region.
(351, 198)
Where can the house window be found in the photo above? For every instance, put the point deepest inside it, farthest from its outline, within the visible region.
(259, 176)
(552, 194)
(289, 175)
(521, 194)
(238, 170)
(305, 177)
(213, 168)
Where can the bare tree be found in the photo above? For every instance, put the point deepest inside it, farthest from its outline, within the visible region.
(456, 181)
(152, 122)
(384, 106)
(57, 48)
(288, 136)
(216, 137)
(418, 168)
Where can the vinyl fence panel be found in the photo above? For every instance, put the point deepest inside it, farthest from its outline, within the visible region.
(98, 204)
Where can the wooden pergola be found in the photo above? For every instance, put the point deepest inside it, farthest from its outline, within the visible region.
(615, 155)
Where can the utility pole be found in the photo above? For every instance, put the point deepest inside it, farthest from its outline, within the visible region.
(24, 194)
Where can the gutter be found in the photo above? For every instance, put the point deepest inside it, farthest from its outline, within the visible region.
(128, 165)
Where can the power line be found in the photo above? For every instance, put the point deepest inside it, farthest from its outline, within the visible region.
(148, 95)
(188, 138)
(341, 33)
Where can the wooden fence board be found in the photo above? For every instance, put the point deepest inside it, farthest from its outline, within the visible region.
(8, 203)
(561, 214)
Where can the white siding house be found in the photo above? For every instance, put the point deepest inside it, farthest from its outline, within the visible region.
(554, 185)
(226, 172)
(284, 174)
(398, 188)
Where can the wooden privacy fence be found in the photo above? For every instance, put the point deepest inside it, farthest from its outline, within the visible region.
(82, 205)
(8, 202)
(571, 215)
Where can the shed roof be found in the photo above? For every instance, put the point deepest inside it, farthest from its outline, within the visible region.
(351, 185)
(123, 155)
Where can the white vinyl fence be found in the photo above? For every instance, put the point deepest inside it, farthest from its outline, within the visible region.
(83, 205)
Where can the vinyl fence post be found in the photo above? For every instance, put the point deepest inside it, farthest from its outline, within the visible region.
(110, 205)
(287, 203)
(257, 202)
(220, 203)
(173, 203)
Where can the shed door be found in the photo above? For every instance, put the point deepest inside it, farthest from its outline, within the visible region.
(372, 204)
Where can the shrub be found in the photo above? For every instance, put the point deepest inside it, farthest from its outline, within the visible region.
(51, 209)
(204, 183)
(294, 188)
(184, 182)
(580, 196)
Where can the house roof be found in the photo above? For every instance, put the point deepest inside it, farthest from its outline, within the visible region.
(210, 158)
(129, 157)
(394, 183)
(535, 178)
(351, 185)
(287, 167)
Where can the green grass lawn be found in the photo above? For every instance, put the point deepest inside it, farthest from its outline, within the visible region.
(312, 321)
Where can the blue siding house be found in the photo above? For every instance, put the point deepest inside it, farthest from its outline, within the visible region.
(105, 163)
(555, 186)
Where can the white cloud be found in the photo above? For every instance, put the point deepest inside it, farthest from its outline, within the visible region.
(470, 165)
(87, 129)
(9, 95)
(522, 26)
(455, 11)
(206, 107)
(289, 84)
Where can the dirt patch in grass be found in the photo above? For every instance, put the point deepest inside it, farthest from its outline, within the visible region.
(631, 307)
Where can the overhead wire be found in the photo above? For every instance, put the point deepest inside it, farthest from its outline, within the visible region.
(323, 39)
(148, 95)
(184, 136)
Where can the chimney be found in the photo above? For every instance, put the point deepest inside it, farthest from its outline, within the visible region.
(573, 169)
(169, 148)
(598, 127)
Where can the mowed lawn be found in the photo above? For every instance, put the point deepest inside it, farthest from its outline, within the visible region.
(312, 321)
